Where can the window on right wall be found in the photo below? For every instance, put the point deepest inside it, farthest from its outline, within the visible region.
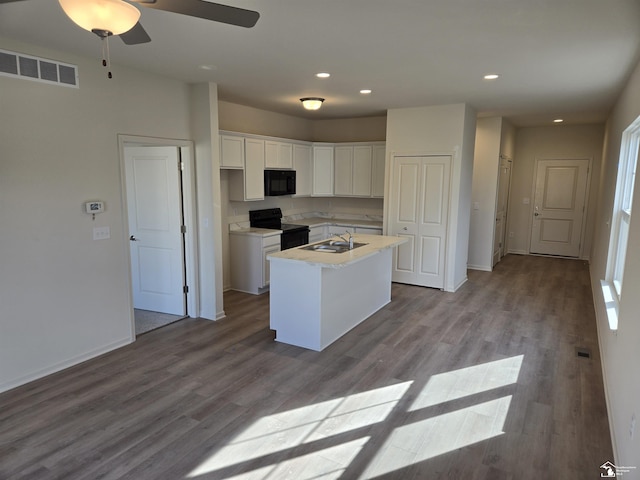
(612, 285)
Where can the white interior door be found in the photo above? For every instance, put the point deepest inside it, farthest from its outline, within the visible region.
(155, 217)
(559, 204)
(419, 207)
(502, 202)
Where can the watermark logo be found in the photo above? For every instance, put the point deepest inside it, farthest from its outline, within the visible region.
(613, 471)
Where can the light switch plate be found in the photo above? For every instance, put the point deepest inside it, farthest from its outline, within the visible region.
(101, 233)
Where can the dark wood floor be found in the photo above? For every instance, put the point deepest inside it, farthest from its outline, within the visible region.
(481, 384)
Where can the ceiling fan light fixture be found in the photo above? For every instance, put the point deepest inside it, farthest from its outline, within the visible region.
(312, 103)
(113, 16)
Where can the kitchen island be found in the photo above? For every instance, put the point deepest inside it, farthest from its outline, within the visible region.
(317, 296)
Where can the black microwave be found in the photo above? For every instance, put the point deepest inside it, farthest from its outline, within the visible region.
(279, 182)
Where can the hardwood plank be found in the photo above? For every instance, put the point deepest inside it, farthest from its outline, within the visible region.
(185, 393)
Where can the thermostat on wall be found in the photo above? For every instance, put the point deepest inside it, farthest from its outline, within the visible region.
(94, 207)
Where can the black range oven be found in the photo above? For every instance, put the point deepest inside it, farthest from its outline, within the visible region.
(292, 235)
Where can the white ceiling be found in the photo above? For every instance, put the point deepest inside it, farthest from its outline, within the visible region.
(557, 58)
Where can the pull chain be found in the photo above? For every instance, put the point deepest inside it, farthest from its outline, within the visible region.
(106, 59)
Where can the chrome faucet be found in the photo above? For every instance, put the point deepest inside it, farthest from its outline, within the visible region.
(350, 241)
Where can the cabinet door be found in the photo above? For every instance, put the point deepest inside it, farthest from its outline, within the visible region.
(266, 271)
(377, 175)
(254, 169)
(302, 165)
(285, 155)
(278, 155)
(362, 168)
(271, 154)
(322, 171)
(231, 152)
(343, 171)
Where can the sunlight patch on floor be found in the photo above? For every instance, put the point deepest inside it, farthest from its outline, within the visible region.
(274, 437)
(286, 430)
(435, 436)
(455, 384)
(327, 464)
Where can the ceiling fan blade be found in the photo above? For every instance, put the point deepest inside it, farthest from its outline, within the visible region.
(207, 10)
(135, 36)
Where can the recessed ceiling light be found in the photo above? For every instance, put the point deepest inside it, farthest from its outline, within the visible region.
(491, 76)
(365, 91)
(323, 75)
(558, 120)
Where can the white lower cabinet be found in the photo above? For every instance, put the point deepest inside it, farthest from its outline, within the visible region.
(343, 228)
(249, 264)
(368, 230)
(317, 233)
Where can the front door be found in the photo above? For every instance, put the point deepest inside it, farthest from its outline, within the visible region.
(155, 216)
(559, 207)
(419, 211)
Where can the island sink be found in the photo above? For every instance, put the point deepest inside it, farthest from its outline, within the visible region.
(333, 246)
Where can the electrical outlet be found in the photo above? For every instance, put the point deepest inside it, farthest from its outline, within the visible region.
(632, 426)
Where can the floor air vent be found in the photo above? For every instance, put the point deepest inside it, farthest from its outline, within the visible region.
(14, 64)
(583, 352)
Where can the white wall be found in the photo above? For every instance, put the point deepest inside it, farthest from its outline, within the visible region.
(442, 130)
(63, 296)
(483, 193)
(495, 136)
(620, 350)
(204, 128)
(555, 142)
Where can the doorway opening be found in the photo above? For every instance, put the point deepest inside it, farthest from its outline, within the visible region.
(158, 189)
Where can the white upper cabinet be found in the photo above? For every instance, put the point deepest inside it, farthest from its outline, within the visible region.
(322, 170)
(377, 176)
(231, 152)
(362, 168)
(353, 170)
(343, 171)
(278, 155)
(248, 185)
(302, 164)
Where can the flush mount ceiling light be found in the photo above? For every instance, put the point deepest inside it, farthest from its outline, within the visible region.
(102, 17)
(558, 120)
(312, 103)
(491, 76)
(365, 91)
(323, 75)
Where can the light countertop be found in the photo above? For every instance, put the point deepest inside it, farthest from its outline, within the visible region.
(374, 244)
(257, 232)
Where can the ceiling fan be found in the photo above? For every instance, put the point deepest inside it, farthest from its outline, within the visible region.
(86, 12)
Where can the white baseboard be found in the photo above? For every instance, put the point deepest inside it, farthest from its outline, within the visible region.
(70, 362)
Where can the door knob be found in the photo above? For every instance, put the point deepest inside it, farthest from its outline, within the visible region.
(133, 239)
(536, 214)
(405, 229)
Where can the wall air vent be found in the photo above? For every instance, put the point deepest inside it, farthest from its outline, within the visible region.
(14, 64)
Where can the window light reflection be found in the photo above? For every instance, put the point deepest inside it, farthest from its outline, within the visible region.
(282, 431)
